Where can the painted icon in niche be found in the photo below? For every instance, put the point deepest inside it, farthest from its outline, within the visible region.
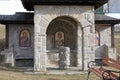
(24, 38)
(97, 38)
(59, 39)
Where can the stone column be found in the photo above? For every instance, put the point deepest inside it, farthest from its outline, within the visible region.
(79, 47)
(64, 57)
(39, 45)
(89, 46)
(40, 53)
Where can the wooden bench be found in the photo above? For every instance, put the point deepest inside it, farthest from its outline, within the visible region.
(103, 73)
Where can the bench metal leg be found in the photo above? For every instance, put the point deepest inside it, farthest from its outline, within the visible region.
(88, 75)
(118, 78)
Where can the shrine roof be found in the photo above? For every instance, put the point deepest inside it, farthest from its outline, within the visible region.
(29, 4)
(18, 18)
(28, 18)
(104, 19)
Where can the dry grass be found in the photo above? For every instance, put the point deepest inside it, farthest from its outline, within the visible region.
(18, 74)
(2, 37)
(2, 31)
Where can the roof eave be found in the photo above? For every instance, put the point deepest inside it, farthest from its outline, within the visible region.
(28, 4)
(112, 22)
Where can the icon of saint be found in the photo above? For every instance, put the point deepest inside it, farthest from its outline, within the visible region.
(24, 39)
(59, 39)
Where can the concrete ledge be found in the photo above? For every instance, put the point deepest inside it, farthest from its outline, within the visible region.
(71, 71)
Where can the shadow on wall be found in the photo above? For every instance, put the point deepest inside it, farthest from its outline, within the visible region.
(2, 46)
(101, 51)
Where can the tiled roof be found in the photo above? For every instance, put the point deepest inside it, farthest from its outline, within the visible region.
(103, 19)
(18, 18)
(28, 4)
(28, 18)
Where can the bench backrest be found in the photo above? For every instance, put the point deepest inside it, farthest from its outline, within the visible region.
(111, 62)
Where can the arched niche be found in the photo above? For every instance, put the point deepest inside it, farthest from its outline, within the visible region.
(67, 27)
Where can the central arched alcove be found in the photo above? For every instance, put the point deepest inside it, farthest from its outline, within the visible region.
(66, 27)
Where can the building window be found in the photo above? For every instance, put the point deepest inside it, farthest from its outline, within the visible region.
(59, 39)
(97, 38)
(24, 38)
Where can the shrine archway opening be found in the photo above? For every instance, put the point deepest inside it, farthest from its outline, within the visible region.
(62, 31)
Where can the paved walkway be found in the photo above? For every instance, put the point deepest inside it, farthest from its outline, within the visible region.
(56, 71)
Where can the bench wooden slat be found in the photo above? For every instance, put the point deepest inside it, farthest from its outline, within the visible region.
(111, 75)
(102, 72)
(111, 62)
(97, 71)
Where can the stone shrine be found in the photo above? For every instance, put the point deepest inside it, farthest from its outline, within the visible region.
(37, 37)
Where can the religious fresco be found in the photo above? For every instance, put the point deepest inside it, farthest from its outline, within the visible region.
(59, 39)
(97, 38)
(24, 39)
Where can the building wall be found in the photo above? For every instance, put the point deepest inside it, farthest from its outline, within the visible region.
(23, 55)
(105, 34)
(105, 48)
